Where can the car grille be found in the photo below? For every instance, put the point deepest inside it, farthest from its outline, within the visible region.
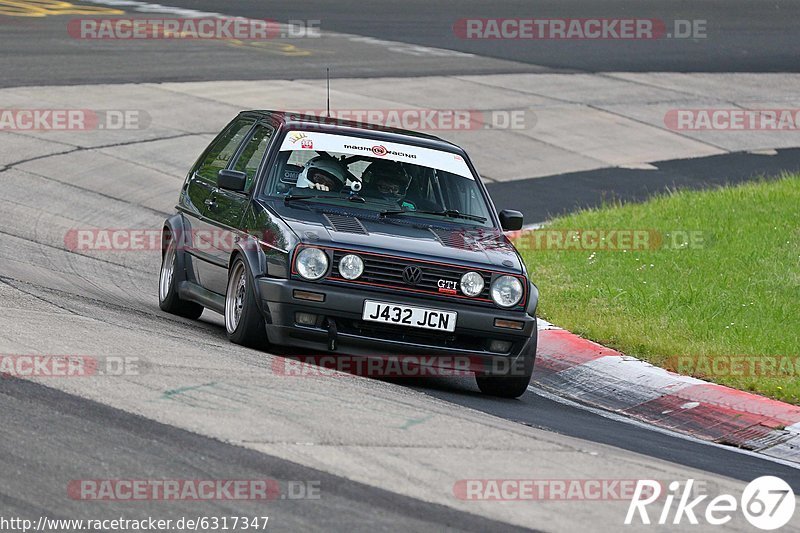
(388, 272)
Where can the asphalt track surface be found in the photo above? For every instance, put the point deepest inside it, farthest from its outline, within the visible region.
(551, 196)
(50, 448)
(741, 36)
(50, 437)
(60, 301)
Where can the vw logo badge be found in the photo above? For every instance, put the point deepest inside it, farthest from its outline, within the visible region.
(412, 275)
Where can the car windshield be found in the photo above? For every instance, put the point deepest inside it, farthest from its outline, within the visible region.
(392, 179)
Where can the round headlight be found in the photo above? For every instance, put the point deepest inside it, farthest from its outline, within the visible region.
(312, 263)
(506, 291)
(351, 266)
(472, 284)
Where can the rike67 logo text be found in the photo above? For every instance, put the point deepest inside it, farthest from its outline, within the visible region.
(767, 503)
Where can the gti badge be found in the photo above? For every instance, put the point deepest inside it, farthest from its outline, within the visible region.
(447, 286)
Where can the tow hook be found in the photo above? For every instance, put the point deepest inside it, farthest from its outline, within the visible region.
(332, 335)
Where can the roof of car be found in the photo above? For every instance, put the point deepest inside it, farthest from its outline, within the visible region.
(294, 120)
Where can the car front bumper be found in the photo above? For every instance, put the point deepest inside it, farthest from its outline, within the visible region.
(339, 328)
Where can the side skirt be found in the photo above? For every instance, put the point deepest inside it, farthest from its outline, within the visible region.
(195, 293)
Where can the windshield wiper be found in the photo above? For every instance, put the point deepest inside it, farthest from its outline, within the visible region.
(290, 197)
(451, 213)
(351, 198)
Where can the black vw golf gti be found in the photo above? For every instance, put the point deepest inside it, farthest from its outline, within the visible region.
(338, 238)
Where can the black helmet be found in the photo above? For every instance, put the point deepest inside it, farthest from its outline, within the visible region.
(387, 179)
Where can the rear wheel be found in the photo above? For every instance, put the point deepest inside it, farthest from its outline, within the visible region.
(168, 299)
(243, 321)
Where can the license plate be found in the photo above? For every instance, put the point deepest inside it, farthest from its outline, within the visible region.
(407, 315)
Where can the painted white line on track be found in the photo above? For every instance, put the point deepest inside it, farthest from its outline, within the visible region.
(630, 421)
(638, 166)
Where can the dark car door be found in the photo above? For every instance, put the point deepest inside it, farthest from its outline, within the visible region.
(226, 208)
(199, 196)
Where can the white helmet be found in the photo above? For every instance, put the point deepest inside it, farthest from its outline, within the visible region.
(323, 170)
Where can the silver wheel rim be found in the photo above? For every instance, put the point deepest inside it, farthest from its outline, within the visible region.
(234, 299)
(167, 272)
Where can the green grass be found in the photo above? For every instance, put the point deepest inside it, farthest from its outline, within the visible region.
(737, 293)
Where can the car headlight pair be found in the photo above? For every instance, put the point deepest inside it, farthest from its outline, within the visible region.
(312, 264)
(506, 291)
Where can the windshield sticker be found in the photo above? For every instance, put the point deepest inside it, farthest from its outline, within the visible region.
(403, 153)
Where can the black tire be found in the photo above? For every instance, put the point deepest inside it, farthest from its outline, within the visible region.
(503, 386)
(513, 382)
(243, 320)
(171, 274)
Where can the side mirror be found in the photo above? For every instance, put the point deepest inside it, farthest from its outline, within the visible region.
(232, 180)
(510, 220)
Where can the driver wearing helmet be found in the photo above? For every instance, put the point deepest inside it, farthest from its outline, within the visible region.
(389, 181)
(323, 173)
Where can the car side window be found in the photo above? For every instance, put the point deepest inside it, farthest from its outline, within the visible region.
(223, 149)
(253, 153)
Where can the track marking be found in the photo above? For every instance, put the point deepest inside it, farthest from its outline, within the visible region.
(276, 48)
(391, 46)
(44, 8)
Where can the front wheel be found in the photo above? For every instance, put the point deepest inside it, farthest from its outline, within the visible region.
(503, 386)
(512, 382)
(243, 321)
(168, 299)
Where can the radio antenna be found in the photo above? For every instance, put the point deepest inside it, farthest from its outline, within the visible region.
(328, 77)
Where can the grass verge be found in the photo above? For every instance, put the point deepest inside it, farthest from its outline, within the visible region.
(706, 284)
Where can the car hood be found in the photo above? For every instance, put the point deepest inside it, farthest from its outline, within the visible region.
(483, 247)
